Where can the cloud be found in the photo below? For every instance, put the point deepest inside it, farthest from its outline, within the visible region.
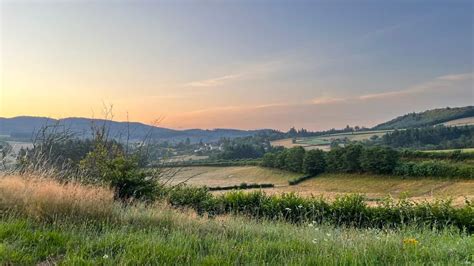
(251, 71)
(326, 112)
(441, 82)
(326, 100)
(457, 77)
(213, 81)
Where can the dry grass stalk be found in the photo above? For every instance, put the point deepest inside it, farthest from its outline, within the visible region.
(47, 199)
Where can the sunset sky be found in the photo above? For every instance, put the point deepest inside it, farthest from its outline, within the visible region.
(236, 64)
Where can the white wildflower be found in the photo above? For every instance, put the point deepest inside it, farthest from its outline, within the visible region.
(105, 256)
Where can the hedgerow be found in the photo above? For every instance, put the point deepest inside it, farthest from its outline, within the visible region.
(241, 186)
(349, 210)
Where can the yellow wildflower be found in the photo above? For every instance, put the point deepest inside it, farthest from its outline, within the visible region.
(410, 241)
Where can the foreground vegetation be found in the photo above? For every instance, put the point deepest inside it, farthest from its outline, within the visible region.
(43, 222)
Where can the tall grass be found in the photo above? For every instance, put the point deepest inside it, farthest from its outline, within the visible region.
(46, 199)
(156, 234)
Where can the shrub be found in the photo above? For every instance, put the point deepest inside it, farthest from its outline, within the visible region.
(121, 173)
(294, 159)
(314, 162)
(379, 160)
(269, 160)
(298, 180)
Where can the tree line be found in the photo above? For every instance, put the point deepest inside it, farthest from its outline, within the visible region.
(439, 137)
(356, 158)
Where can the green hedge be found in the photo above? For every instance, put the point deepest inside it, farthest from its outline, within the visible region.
(452, 155)
(241, 186)
(300, 179)
(349, 210)
(434, 169)
(220, 163)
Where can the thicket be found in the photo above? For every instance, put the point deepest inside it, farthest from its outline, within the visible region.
(356, 158)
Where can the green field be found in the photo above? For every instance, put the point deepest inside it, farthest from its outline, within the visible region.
(324, 141)
(45, 223)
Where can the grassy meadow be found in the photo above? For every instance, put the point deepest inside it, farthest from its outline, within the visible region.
(47, 223)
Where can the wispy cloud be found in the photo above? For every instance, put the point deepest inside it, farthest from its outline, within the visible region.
(326, 100)
(457, 77)
(213, 81)
(320, 112)
(440, 82)
(251, 71)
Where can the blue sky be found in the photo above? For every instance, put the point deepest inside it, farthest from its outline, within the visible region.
(240, 64)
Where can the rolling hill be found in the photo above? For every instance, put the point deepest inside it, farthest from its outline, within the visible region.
(23, 127)
(427, 118)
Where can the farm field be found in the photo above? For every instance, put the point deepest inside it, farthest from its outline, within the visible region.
(185, 158)
(460, 122)
(330, 185)
(233, 175)
(323, 142)
(467, 150)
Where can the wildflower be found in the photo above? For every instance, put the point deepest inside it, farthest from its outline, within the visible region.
(410, 241)
(288, 209)
(328, 234)
(315, 241)
(300, 206)
(105, 256)
(310, 225)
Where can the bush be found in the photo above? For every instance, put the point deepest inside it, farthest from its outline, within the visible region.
(379, 160)
(294, 159)
(269, 160)
(297, 180)
(121, 173)
(314, 162)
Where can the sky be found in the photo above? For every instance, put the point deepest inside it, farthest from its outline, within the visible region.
(236, 64)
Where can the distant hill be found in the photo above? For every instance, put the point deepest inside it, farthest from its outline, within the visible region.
(427, 118)
(23, 127)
